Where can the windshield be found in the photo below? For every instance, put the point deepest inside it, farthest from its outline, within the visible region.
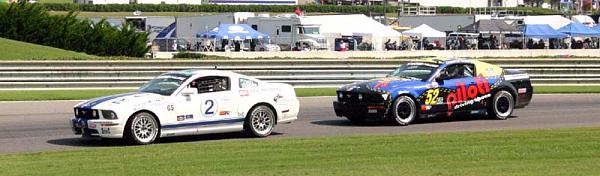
(414, 70)
(311, 30)
(164, 84)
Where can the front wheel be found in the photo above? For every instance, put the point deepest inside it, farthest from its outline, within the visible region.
(260, 121)
(142, 129)
(502, 105)
(404, 111)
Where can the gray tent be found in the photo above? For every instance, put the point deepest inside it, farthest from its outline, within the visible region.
(491, 27)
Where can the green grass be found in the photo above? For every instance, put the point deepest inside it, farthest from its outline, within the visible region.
(542, 152)
(567, 89)
(16, 50)
(56, 1)
(32, 95)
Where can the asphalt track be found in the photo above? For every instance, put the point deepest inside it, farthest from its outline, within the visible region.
(43, 126)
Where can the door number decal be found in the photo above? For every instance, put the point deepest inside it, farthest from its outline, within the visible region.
(208, 107)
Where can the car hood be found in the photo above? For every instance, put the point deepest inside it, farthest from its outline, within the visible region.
(120, 100)
(380, 85)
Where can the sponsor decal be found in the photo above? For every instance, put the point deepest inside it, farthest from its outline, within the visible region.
(180, 118)
(224, 113)
(522, 90)
(244, 93)
(170, 107)
(189, 117)
(464, 94)
(277, 97)
(470, 102)
(92, 125)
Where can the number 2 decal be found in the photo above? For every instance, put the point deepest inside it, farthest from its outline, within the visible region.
(209, 111)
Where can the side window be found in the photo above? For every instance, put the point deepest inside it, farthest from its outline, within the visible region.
(211, 84)
(246, 83)
(458, 71)
(286, 28)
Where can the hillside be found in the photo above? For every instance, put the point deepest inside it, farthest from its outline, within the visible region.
(16, 50)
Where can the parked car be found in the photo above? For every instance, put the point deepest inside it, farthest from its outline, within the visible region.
(433, 87)
(186, 103)
(267, 47)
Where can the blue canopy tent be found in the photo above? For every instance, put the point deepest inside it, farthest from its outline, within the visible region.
(541, 31)
(596, 28)
(579, 30)
(232, 32)
(168, 32)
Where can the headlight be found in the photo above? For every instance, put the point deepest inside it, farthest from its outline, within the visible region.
(107, 114)
(340, 95)
(360, 97)
(95, 113)
(76, 111)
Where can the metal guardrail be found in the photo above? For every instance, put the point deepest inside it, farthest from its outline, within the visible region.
(300, 73)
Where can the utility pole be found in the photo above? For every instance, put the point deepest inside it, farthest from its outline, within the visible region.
(384, 12)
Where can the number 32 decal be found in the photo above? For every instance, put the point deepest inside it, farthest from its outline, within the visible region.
(208, 107)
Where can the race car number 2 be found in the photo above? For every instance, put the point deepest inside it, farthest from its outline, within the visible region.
(208, 107)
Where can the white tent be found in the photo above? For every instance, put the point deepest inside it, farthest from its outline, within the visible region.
(425, 31)
(350, 24)
(584, 19)
(355, 24)
(555, 21)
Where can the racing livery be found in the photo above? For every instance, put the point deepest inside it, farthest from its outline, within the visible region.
(435, 87)
(188, 102)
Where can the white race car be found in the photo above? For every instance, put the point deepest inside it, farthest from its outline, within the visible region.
(188, 102)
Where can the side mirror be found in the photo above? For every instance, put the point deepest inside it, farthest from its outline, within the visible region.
(441, 78)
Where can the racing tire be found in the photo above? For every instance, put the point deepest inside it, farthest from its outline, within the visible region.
(259, 122)
(404, 111)
(502, 105)
(142, 129)
(355, 119)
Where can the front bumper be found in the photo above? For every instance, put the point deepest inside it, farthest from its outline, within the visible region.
(366, 110)
(97, 128)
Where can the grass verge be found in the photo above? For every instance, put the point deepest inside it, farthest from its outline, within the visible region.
(16, 50)
(33, 95)
(524, 152)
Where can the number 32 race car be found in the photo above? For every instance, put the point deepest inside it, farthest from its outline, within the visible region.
(186, 103)
(436, 88)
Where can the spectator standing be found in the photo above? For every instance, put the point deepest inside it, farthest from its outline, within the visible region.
(174, 46)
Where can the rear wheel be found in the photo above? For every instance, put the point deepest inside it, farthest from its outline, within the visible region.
(502, 105)
(260, 121)
(404, 111)
(142, 129)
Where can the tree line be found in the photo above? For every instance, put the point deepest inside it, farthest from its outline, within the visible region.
(31, 23)
(260, 8)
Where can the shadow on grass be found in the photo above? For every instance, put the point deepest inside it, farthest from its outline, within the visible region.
(97, 142)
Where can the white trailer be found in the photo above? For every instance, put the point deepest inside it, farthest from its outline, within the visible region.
(289, 32)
